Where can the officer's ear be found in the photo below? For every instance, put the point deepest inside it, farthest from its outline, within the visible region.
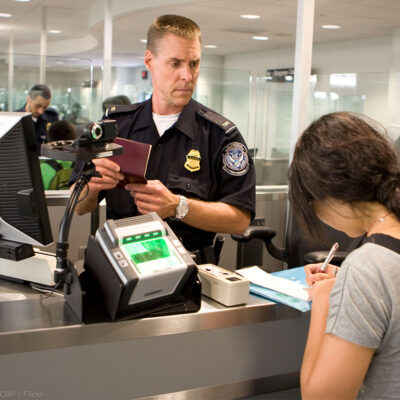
(148, 60)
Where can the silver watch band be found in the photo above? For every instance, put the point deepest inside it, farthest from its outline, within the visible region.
(182, 208)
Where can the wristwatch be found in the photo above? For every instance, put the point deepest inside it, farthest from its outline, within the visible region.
(182, 208)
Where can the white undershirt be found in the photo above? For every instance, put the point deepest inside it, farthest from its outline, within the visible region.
(164, 122)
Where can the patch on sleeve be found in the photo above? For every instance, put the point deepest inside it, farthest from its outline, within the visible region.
(235, 159)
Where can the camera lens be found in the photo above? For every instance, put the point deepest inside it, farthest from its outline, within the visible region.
(96, 131)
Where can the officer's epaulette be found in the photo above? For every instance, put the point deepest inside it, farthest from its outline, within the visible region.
(50, 110)
(122, 108)
(218, 119)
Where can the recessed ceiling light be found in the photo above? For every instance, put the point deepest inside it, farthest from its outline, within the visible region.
(5, 15)
(260, 37)
(210, 46)
(144, 40)
(250, 16)
(54, 31)
(330, 27)
(23, 1)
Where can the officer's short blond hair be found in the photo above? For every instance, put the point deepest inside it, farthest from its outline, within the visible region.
(175, 24)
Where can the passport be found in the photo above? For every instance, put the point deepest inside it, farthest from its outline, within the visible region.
(133, 161)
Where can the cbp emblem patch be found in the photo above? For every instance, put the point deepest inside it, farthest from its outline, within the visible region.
(193, 159)
(235, 159)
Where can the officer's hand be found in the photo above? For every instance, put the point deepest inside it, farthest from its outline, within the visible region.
(153, 196)
(110, 175)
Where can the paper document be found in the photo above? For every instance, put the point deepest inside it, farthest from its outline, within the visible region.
(261, 278)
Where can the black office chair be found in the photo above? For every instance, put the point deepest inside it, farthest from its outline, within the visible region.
(298, 250)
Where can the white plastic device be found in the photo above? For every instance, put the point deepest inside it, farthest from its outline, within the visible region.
(226, 287)
(37, 269)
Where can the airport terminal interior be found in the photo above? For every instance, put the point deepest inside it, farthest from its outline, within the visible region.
(271, 67)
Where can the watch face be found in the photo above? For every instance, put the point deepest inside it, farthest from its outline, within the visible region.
(182, 208)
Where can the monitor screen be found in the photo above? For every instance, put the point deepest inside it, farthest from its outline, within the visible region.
(23, 211)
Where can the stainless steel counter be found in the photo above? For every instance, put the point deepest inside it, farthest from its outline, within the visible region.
(254, 348)
(31, 321)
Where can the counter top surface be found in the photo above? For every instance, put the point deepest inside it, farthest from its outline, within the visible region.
(29, 320)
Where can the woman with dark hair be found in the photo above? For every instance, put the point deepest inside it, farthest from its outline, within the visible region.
(347, 174)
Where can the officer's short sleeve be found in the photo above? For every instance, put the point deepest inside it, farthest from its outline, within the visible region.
(236, 173)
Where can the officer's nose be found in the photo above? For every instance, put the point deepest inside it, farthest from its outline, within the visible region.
(186, 73)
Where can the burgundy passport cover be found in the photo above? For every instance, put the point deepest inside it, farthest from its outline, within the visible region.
(133, 162)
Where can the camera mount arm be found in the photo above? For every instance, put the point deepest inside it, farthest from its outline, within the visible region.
(88, 171)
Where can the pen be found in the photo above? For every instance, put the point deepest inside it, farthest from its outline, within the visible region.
(329, 257)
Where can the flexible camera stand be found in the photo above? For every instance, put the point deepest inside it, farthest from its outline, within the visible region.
(65, 271)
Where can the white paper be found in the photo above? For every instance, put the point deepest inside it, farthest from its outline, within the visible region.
(259, 277)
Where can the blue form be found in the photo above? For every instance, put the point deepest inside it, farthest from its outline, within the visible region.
(293, 274)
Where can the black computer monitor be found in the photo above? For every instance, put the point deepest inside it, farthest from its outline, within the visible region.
(23, 211)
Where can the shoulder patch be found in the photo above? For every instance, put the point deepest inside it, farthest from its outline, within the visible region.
(217, 119)
(235, 159)
(122, 108)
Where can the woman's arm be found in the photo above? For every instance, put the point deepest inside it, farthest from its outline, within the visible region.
(332, 368)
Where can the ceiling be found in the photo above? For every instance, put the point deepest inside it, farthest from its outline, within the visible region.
(81, 25)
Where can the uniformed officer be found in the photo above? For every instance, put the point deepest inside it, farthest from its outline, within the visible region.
(200, 176)
(37, 103)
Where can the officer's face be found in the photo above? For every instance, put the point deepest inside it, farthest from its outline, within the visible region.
(174, 69)
(37, 106)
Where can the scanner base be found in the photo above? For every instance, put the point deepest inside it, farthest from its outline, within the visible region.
(93, 300)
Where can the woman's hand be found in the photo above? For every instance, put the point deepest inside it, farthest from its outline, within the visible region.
(313, 273)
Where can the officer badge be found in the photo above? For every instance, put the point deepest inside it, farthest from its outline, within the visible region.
(48, 126)
(235, 159)
(193, 159)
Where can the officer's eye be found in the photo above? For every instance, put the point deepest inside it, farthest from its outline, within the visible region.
(175, 64)
(194, 64)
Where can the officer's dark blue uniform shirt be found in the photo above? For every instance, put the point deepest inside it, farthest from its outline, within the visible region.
(202, 156)
(42, 124)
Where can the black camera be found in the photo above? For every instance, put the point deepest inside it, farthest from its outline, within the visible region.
(96, 132)
(94, 140)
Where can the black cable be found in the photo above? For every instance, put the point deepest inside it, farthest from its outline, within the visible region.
(86, 173)
(51, 292)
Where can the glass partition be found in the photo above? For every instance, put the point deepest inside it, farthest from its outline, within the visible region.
(366, 93)
(225, 91)
(131, 81)
(273, 120)
(375, 94)
(70, 80)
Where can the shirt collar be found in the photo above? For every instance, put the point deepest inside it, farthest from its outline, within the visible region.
(147, 119)
(186, 120)
(184, 123)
